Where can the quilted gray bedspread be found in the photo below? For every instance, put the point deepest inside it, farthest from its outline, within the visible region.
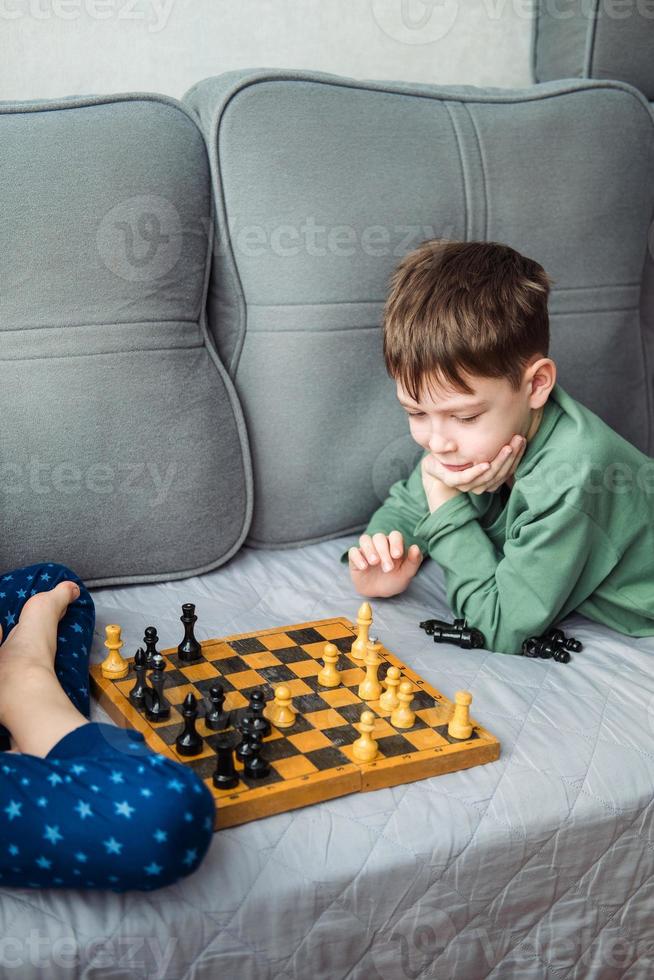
(536, 866)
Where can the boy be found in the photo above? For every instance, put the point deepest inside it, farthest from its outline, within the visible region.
(531, 504)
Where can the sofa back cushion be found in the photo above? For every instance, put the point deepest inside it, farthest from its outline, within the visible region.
(585, 39)
(322, 183)
(124, 452)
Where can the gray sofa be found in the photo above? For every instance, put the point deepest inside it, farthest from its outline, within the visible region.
(196, 409)
(595, 39)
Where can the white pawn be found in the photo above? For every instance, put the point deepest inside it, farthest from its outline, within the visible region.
(364, 621)
(114, 666)
(459, 725)
(370, 688)
(329, 676)
(389, 700)
(403, 716)
(280, 711)
(364, 749)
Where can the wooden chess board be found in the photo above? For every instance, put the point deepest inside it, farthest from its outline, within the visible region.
(312, 761)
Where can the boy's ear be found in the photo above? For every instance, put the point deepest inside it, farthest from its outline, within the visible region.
(542, 376)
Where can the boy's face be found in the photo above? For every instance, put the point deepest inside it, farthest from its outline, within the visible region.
(461, 430)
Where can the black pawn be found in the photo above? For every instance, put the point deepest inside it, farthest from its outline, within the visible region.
(244, 724)
(217, 719)
(156, 705)
(189, 742)
(258, 723)
(225, 776)
(189, 649)
(244, 748)
(137, 694)
(254, 765)
(152, 655)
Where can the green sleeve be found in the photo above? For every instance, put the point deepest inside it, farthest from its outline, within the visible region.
(550, 563)
(403, 508)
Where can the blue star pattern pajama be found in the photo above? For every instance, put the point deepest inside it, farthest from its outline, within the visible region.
(101, 810)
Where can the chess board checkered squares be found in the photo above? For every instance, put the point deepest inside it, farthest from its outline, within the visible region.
(299, 755)
(174, 695)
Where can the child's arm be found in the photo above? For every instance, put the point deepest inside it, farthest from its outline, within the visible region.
(551, 562)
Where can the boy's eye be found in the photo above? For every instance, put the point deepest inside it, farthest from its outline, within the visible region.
(469, 418)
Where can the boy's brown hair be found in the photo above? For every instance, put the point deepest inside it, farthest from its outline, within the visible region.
(473, 307)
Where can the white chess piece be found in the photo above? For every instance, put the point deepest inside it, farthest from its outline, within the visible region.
(364, 749)
(389, 700)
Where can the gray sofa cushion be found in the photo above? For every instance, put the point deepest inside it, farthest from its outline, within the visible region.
(323, 182)
(124, 451)
(590, 39)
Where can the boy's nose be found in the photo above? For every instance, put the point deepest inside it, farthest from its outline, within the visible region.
(439, 445)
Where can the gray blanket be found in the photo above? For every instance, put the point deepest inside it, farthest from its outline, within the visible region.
(535, 866)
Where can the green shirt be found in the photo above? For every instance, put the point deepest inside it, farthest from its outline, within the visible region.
(575, 532)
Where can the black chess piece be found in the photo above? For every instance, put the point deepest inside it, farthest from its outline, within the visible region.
(189, 742)
(152, 655)
(244, 723)
(563, 645)
(462, 636)
(533, 647)
(217, 719)
(530, 647)
(157, 707)
(244, 748)
(458, 632)
(225, 776)
(546, 648)
(257, 721)
(189, 650)
(551, 645)
(429, 625)
(555, 634)
(137, 694)
(255, 766)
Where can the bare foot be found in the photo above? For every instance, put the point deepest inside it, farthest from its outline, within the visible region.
(33, 639)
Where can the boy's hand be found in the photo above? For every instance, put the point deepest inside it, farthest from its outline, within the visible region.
(380, 568)
(482, 477)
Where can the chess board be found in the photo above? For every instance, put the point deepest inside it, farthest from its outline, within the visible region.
(313, 760)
